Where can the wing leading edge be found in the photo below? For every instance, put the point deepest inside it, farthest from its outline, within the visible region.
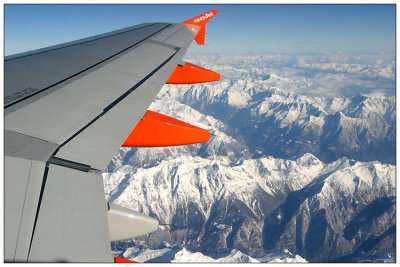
(68, 109)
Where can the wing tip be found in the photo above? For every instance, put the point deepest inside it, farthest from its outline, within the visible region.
(197, 25)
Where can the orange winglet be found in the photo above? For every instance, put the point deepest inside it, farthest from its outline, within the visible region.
(158, 130)
(190, 73)
(197, 25)
(123, 260)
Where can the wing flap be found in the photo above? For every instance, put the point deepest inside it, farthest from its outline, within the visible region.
(71, 228)
(22, 183)
(14, 198)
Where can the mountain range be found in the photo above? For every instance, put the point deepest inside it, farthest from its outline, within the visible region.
(286, 176)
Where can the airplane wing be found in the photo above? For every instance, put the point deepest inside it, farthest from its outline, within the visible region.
(68, 109)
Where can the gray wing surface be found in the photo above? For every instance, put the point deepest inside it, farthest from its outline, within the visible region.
(68, 109)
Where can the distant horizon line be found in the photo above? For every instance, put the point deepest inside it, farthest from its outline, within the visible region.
(299, 52)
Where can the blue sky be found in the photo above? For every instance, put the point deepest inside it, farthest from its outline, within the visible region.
(286, 28)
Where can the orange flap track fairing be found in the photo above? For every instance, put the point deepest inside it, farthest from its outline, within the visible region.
(190, 74)
(158, 130)
(123, 260)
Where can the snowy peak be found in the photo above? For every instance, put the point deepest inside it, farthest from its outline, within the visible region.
(296, 167)
(186, 256)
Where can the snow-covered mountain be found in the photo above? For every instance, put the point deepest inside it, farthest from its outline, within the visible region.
(168, 254)
(286, 175)
(271, 121)
(313, 209)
